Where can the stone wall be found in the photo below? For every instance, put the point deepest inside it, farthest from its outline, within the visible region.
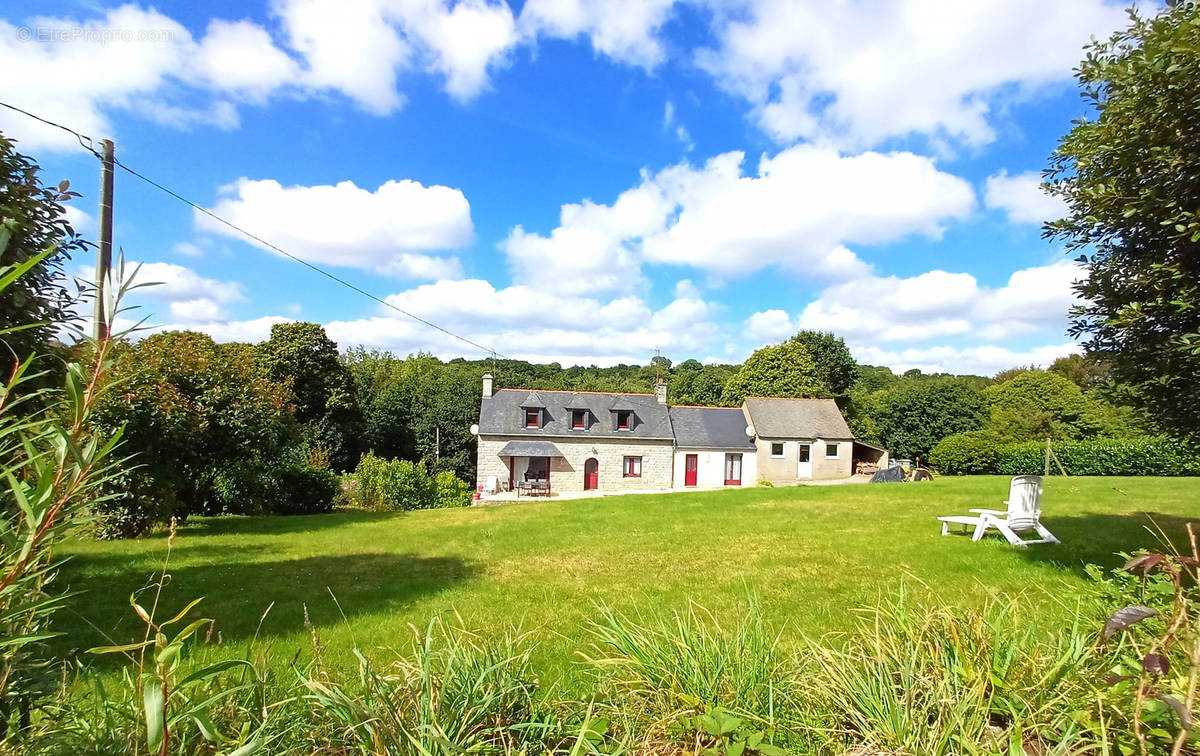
(566, 472)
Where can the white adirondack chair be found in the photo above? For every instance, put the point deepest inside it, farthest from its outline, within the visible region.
(1023, 514)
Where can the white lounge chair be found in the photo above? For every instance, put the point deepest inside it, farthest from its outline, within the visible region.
(1024, 513)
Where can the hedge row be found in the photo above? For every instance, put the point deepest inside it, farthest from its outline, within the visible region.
(981, 453)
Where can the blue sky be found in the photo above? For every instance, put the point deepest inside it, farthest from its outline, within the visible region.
(580, 181)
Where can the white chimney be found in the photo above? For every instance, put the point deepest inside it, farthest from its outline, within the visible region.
(660, 391)
(487, 385)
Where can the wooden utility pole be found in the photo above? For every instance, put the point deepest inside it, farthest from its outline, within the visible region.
(437, 445)
(1046, 469)
(104, 249)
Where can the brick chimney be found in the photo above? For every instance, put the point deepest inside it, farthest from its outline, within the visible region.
(660, 391)
(487, 385)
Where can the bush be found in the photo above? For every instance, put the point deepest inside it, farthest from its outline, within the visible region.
(1136, 456)
(386, 485)
(300, 488)
(290, 486)
(970, 453)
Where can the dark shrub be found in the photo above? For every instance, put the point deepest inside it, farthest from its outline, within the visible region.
(300, 488)
(970, 453)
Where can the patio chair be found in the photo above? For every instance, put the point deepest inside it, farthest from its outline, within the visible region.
(1023, 514)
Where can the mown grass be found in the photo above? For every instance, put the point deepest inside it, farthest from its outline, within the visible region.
(810, 556)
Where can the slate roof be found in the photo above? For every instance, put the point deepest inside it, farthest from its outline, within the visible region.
(529, 449)
(797, 418)
(710, 428)
(503, 414)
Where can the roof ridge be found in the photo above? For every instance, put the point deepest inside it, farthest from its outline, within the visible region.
(796, 398)
(702, 406)
(578, 391)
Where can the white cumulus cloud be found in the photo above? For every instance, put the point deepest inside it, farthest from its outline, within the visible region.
(1022, 198)
(857, 73)
(386, 230)
(798, 210)
(624, 30)
(879, 310)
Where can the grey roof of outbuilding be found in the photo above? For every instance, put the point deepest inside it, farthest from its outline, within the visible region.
(710, 428)
(503, 414)
(797, 418)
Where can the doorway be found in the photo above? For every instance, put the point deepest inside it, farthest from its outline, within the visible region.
(690, 466)
(591, 475)
(804, 463)
(733, 469)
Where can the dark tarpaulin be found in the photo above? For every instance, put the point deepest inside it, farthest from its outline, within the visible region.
(889, 475)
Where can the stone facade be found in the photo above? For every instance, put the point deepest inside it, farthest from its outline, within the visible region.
(785, 469)
(566, 472)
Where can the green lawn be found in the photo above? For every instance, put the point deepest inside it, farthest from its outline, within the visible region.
(811, 554)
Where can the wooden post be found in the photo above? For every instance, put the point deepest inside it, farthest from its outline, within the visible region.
(1046, 470)
(104, 231)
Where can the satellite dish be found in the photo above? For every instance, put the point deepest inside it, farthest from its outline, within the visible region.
(750, 431)
(475, 429)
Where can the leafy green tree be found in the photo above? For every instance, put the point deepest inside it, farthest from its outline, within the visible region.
(787, 369)
(191, 409)
(874, 378)
(1085, 371)
(693, 383)
(33, 220)
(1037, 404)
(916, 414)
(836, 368)
(1128, 174)
(302, 357)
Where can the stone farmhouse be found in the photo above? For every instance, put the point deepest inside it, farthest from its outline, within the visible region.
(537, 441)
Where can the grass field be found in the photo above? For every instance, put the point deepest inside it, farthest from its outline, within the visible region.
(810, 554)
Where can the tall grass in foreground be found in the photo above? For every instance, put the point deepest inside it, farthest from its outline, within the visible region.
(452, 693)
(913, 679)
(928, 680)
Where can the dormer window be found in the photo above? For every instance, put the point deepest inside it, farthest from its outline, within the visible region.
(579, 419)
(533, 417)
(624, 419)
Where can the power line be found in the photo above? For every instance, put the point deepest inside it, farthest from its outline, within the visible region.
(353, 287)
(85, 141)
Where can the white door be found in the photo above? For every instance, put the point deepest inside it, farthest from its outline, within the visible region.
(804, 463)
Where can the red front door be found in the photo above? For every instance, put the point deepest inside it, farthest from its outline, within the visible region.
(591, 475)
(689, 470)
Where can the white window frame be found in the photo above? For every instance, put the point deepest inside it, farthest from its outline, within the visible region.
(583, 427)
(837, 448)
(782, 450)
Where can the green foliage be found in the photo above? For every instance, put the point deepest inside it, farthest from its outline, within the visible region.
(301, 357)
(931, 680)
(1085, 371)
(970, 453)
(33, 220)
(836, 369)
(1039, 404)
(195, 411)
(453, 693)
(52, 465)
(916, 414)
(787, 369)
(1128, 177)
(1135, 456)
(287, 485)
(389, 485)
